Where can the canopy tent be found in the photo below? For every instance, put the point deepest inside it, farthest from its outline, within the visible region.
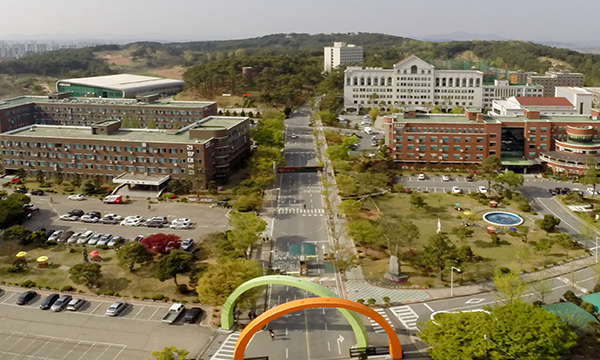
(305, 249)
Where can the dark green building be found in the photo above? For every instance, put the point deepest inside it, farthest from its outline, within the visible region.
(119, 86)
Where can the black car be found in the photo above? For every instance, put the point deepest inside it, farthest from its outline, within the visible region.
(139, 238)
(76, 212)
(469, 178)
(26, 297)
(49, 232)
(49, 301)
(37, 192)
(95, 214)
(65, 236)
(553, 192)
(155, 224)
(21, 190)
(192, 315)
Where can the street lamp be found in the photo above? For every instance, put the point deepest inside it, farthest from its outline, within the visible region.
(452, 279)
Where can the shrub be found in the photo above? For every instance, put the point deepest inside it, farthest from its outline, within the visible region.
(538, 303)
(596, 287)
(157, 297)
(183, 289)
(67, 288)
(134, 297)
(371, 301)
(51, 242)
(28, 284)
(505, 270)
(145, 298)
(103, 247)
(360, 301)
(386, 299)
(109, 292)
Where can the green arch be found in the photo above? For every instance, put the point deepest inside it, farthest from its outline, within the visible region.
(360, 332)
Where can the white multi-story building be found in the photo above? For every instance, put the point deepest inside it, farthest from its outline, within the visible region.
(502, 89)
(340, 54)
(412, 82)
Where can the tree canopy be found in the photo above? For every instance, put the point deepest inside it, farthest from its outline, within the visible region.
(220, 280)
(86, 273)
(176, 262)
(133, 253)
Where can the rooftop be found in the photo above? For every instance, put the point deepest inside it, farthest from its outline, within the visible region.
(461, 119)
(44, 100)
(55, 132)
(121, 81)
(219, 122)
(542, 101)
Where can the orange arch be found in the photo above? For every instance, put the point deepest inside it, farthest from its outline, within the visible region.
(302, 304)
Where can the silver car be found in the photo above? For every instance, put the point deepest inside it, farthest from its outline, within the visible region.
(61, 303)
(116, 308)
(73, 239)
(75, 304)
(94, 240)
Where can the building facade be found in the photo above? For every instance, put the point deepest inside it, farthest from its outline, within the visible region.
(571, 152)
(202, 152)
(412, 82)
(61, 109)
(503, 89)
(340, 54)
(553, 79)
(119, 86)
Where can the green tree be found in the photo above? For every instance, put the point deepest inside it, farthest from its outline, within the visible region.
(462, 232)
(416, 200)
(88, 187)
(548, 223)
(17, 233)
(249, 202)
(457, 110)
(133, 123)
(509, 286)
(489, 169)
(541, 286)
(125, 121)
(590, 176)
(40, 177)
(544, 246)
(76, 182)
(440, 253)
(522, 232)
(399, 233)
(150, 123)
(59, 177)
(510, 179)
(346, 184)
(364, 232)
(89, 274)
(350, 208)
(21, 174)
(373, 113)
(170, 353)
(566, 242)
(176, 262)
(220, 280)
(132, 253)
(97, 180)
(246, 230)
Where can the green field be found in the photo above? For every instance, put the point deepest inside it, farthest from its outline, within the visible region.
(512, 252)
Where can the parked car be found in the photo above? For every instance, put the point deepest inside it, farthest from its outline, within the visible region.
(116, 241)
(77, 212)
(192, 315)
(105, 239)
(131, 222)
(445, 178)
(55, 235)
(113, 199)
(68, 217)
(75, 304)
(114, 216)
(590, 191)
(73, 239)
(21, 190)
(49, 233)
(469, 178)
(37, 192)
(181, 220)
(116, 308)
(87, 218)
(133, 217)
(456, 190)
(65, 236)
(180, 226)
(294, 136)
(49, 301)
(139, 238)
(108, 220)
(96, 214)
(155, 224)
(77, 197)
(482, 189)
(187, 245)
(61, 303)
(94, 239)
(15, 180)
(85, 237)
(162, 219)
(26, 297)
(421, 177)
(553, 192)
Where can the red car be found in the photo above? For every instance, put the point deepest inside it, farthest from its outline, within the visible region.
(15, 180)
(407, 190)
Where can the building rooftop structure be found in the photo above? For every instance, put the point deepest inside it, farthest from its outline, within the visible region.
(30, 99)
(489, 118)
(123, 82)
(543, 101)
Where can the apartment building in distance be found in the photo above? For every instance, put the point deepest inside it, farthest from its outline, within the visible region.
(523, 140)
(554, 79)
(85, 136)
(340, 54)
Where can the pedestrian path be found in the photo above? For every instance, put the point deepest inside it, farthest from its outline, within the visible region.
(407, 316)
(225, 352)
(323, 278)
(569, 282)
(305, 212)
(360, 289)
(376, 327)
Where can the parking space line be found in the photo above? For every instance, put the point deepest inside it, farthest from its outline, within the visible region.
(17, 355)
(96, 308)
(143, 307)
(8, 298)
(119, 353)
(41, 347)
(58, 347)
(87, 351)
(70, 351)
(6, 338)
(155, 311)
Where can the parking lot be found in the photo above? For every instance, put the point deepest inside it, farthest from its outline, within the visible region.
(435, 184)
(26, 332)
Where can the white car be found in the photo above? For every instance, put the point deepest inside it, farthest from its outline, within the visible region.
(55, 235)
(114, 216)
(421, 177)
(68, 217)
(87, 218)
(131, 222)
(133, 217)
(294, 136)
(445, 178)
(180, 226)
(77, 197)
(590, 191)
(456, 190)
(482, 189)
(73, 239)
(181, 220)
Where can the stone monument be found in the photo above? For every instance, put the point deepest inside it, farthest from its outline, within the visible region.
(394, 274)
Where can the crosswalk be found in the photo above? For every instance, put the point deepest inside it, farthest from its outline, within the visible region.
(375, 326)
(225, 352)
(294, 210)
(407, 316)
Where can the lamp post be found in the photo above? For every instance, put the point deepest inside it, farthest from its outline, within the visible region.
(452, 279)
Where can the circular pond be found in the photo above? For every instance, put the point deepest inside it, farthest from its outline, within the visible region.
(502, 218)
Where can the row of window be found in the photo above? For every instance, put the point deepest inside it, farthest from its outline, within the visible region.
(120, 111)
(141, 169)
(142, 149)
(443, 147)
(442, 130)
(443, 156)
(99, 157)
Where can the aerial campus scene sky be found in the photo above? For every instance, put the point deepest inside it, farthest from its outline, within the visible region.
(130, 20)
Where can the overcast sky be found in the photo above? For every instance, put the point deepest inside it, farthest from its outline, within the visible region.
(545, 20)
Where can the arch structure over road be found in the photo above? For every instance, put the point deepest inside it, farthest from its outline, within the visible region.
(311, 303)
(360, 332)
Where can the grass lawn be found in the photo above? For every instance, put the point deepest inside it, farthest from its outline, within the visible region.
(139, 283)
(511, 253)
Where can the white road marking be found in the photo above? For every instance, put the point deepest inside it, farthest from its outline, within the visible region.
(407, 316)
(429, 307)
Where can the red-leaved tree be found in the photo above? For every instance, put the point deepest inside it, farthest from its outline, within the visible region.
(161, 243)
